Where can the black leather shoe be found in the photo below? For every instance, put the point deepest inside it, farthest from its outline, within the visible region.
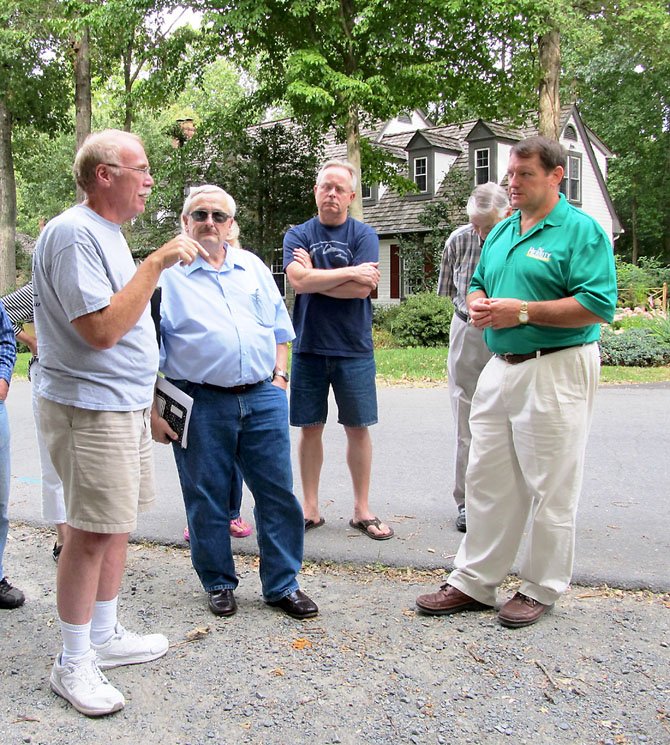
(222, 602)
(461, 524)
(296, 605)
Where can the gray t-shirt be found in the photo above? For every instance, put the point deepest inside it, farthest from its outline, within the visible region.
(80, 261)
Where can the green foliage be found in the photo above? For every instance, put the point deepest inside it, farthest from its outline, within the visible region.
(627, 54)
(637, 347)
(636, 281)
(423, 320)
(421, 253)
(660, 329)
(44, 180)
(270, 172)
(384, 316)
(636, 321)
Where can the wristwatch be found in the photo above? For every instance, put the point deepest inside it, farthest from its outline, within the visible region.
(280, 374)
(523, 312)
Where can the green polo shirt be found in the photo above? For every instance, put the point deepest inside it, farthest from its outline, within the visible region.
(567, 254)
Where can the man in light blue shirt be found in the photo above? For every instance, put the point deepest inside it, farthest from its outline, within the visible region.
(224, 341)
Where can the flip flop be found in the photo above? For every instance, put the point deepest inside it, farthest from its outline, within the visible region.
(309, 524)
(365, 525)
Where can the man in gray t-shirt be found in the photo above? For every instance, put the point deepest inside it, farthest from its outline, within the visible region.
(99, 359)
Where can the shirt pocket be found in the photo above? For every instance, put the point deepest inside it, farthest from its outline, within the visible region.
(263, 308)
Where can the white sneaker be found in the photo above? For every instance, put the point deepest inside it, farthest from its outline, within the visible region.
(126, 648)
(85, 687)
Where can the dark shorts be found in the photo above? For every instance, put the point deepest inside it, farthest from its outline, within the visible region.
(353, 383)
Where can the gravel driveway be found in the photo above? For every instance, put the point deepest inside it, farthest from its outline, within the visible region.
(366, 670)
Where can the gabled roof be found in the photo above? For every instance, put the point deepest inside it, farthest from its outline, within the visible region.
(436, 138)
(393, 214)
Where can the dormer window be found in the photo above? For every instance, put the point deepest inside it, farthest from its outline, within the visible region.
(366, 191)
(421, 174)
(482, 166)
(571, 185)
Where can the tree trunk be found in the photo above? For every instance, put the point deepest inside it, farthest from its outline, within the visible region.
(354, 157)
(7, 203)
(128, 87)
(550, 69)
(635, 247)
(82, 93)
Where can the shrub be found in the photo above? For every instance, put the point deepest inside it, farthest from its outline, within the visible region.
(383, 316)
(660, 329)
(423, 320)
(382, 339)
(634, 281)
(635, 347)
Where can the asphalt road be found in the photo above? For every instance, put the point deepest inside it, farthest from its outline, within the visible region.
(623, 536)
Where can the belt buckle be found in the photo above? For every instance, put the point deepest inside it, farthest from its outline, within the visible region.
(508, 357)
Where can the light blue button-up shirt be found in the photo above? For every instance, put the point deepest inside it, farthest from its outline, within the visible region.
(221, 326)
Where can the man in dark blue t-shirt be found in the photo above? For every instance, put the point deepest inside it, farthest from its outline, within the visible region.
(332, 263)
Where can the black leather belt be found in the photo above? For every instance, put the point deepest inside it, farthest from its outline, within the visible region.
(515, 359)
(461, 315)
(233, 388)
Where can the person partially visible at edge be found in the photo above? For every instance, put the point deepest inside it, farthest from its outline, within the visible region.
(98, 358)
(544, 284)
(468, 353)
(224, 341)
(21, 312)
(10, 597)
(332, 263)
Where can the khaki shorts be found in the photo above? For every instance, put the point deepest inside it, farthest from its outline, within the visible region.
(104, 459)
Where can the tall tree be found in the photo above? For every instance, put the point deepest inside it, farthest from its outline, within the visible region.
(33, 91)
(621, 80)
(346, 63)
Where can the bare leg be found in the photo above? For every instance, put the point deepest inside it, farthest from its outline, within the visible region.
(61, 533)
(90, 568)
(310, 456)
(359, 460)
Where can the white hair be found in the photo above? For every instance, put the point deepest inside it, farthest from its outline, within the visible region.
(487, 199)
(339, 164)
(196, 191)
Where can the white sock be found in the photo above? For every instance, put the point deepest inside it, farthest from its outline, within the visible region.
(104, 620)
(76, 641)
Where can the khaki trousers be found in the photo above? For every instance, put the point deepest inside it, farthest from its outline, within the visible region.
(529, 424)
(468, 354)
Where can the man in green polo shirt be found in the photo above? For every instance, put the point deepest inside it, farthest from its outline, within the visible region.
(544, 284)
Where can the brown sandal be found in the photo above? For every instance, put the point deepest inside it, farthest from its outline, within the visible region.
(365, 525)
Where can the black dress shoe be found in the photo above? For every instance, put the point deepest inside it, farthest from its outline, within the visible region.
(461, 524)
(296, 605)
(222, 602)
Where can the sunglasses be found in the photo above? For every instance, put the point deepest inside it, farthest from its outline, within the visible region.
(202, 215)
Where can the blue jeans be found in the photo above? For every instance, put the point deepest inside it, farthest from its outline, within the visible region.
(249, 430)
(353, 383)
(5, 476)
(235, 494)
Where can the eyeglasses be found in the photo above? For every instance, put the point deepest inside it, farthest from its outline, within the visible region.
(202, 215)
(146, 170)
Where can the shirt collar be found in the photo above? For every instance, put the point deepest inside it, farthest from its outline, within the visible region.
(234, 260)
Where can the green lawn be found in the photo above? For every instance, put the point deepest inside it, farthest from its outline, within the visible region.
(426, 366)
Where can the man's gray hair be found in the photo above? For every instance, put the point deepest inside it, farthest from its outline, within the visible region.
(488, 199)
(99, 147)
(196, 191)
(339, 164)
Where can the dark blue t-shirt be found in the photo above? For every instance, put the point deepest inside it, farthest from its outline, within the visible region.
(326, 325)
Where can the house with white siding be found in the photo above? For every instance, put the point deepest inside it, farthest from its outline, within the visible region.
(478, 150)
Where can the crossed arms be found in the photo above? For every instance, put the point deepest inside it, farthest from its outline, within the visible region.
(345, 282)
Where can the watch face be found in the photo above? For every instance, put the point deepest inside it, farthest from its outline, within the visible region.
(523, 317)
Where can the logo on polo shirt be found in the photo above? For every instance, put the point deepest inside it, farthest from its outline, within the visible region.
(538, 253)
